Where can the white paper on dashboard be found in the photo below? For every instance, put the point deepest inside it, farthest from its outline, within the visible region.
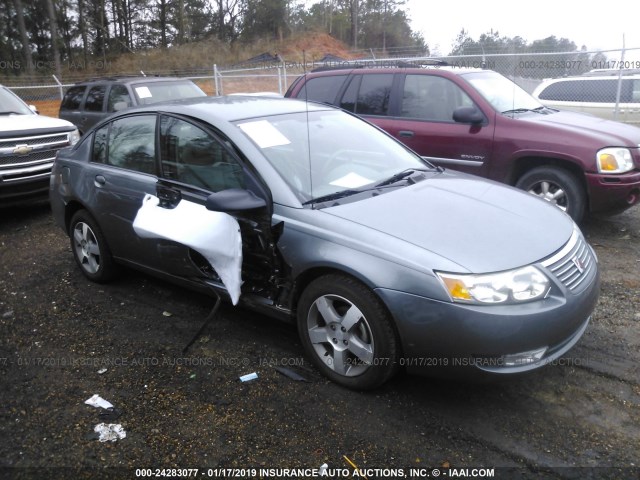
(214, 235)
(264, 134)
(351, 180)
(143, 92)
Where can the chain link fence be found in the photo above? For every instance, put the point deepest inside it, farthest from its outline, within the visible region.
(606, 83)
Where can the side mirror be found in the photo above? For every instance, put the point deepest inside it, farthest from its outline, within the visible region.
(233, 200)
(34, 109)
(120, 106)
(468, 115)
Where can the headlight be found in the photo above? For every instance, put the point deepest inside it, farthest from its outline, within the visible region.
(614, 160)
(515, 286)
(74, 137)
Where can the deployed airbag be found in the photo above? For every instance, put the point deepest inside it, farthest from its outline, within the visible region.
(214, 235)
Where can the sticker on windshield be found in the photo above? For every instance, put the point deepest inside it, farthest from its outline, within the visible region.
(143, 92)
(264, 134)
(351, 180)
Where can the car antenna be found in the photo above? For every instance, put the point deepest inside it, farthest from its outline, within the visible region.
(306, 104)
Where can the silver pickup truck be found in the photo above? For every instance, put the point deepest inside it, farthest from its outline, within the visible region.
(28, 145)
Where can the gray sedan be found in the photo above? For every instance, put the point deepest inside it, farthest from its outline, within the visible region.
(309, 214)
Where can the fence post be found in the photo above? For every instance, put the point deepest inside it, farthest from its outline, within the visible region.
(59, 87)
(617, 107)
(216, 80)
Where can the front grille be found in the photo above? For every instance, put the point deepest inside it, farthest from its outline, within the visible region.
(29, 158)
(31, 141)
(573, 263)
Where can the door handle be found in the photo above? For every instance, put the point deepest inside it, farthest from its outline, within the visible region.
(100, 181)
(406, 133)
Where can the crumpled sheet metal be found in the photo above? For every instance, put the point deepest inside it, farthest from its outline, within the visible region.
(214, 235)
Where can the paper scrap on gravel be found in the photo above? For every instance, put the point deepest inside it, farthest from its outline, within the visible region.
(214, 235)
(110, 432)
(98, 402)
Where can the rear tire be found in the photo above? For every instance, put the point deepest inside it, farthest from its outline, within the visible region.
(90, 248)
(347, 332)
(559, 187)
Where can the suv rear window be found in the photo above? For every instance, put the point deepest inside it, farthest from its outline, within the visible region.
(73, 98)
(322, 89)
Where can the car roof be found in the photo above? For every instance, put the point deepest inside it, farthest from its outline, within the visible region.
(231, 108)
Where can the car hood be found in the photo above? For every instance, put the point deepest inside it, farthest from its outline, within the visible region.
(478, 224)
(17, 125)
(610, 133)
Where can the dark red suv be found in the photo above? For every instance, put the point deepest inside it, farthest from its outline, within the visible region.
(480, 122)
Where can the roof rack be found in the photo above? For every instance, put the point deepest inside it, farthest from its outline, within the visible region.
(382, 63)
(611, 72)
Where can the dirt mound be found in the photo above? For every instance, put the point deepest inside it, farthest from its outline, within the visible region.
(315, 45)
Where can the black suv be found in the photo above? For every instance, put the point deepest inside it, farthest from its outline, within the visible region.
(86, 103)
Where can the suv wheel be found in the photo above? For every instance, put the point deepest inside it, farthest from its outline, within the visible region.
(558, 186)
(347, 332)
(90, 249)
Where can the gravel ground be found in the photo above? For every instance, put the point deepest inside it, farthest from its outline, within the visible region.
(577, 419)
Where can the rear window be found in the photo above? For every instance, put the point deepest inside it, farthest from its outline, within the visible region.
(153, 92)
(72, 98)
(322, 89)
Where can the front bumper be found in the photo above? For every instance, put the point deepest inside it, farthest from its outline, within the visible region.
(613, 193)
(441, 336)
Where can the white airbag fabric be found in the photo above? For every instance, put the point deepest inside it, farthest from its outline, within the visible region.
(214, 235)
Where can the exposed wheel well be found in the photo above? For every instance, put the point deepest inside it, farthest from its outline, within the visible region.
(305, 278)
(524, 164)
(69, 211)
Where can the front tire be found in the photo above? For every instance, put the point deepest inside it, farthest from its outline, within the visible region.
(90, 248)
(347, 332)
(559, 187)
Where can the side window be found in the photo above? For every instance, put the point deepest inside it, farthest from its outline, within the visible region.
(100, 145)
(127, 143)
(563, 92)
(73, 98)
(373, 97)
(322, 89)
(599, 91)
(350, 96)
(635, 91)
(193, 156)
(118, 94)
(428, 97)
(95, 98)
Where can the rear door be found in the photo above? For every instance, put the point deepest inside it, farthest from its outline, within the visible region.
(122, 170)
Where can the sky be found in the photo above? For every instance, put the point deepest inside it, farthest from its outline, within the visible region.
(581, 22)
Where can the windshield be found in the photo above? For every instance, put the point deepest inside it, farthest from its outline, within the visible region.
(320, 153)
(503, 94)
(153, 92)
(11, 104)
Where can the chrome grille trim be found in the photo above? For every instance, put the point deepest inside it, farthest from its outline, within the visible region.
(573, 263)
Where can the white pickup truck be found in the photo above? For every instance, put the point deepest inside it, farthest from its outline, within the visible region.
(28, 145)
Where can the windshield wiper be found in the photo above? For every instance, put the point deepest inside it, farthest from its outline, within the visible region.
(524, 110)
(335, 195)
(10, 112)
(403, 174)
